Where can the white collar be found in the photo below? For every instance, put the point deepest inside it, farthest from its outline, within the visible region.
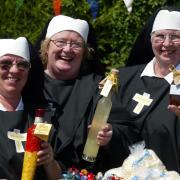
(19, 107)
(149, 71)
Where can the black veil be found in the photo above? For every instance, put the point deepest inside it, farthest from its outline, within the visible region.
(33, 91)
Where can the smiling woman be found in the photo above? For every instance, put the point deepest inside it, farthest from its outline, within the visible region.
(141, 108)
(65, 58)
(66, 49)
(12, 78)
(71, 90)
(17, 114)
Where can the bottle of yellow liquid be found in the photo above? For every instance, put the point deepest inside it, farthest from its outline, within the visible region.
(100, 117)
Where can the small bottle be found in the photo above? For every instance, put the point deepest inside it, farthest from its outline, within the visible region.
(174, 95)
(100, 117)
(33, 145)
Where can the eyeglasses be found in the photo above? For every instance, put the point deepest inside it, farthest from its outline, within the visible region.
(21, 65)
(159, 38)
(62, 44)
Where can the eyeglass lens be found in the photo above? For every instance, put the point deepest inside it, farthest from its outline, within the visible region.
(21, 65)
(162, 37)
(63, 43)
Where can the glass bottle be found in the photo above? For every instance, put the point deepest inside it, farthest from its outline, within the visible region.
(174, 94)
(100, 118)
(33, 145)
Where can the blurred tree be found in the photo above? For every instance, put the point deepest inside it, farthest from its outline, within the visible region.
(114, 28)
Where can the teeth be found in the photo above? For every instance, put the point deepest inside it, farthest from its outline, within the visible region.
(169, 52)
(66, 57)
(12, 78)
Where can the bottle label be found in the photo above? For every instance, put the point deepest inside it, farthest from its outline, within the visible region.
(175, 89)
(107, 88)
(38, 120)
(176, 73)
(42, 130)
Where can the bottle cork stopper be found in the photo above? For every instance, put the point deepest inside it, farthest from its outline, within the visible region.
(114, 71)
(40, 112)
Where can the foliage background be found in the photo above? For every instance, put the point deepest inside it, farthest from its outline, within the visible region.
(114, 28)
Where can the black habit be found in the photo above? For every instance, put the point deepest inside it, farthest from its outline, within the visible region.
(155, 124)
(10, 161)
(75, 102)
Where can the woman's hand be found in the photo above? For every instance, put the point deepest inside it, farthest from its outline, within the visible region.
(175, 109)
(105, 135)
(45, 155)
(46, 158)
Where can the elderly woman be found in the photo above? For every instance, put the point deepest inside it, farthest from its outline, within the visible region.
(141, 51)
(17, 114)
(71, 90)
(140, 108)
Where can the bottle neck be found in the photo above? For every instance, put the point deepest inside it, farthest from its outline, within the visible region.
(39, 116)
(110, 94)
(38, 120)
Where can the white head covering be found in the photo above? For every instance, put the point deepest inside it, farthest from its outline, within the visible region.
(18, 47)
(167, 20)
(62, 23)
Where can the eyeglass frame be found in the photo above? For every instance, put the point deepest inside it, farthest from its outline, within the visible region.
(73, 45)
(7, 65)
(175, 38)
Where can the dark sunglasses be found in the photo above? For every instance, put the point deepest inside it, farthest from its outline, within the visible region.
(21, 65)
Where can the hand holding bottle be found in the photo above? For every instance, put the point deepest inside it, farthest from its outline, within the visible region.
(45, 155)
(175, 109)
(99, 129)
(104, 135)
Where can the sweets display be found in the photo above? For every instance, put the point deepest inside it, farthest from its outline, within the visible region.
(74, 174)
(141, 164)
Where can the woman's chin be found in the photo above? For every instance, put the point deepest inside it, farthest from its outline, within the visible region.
(64, 68)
